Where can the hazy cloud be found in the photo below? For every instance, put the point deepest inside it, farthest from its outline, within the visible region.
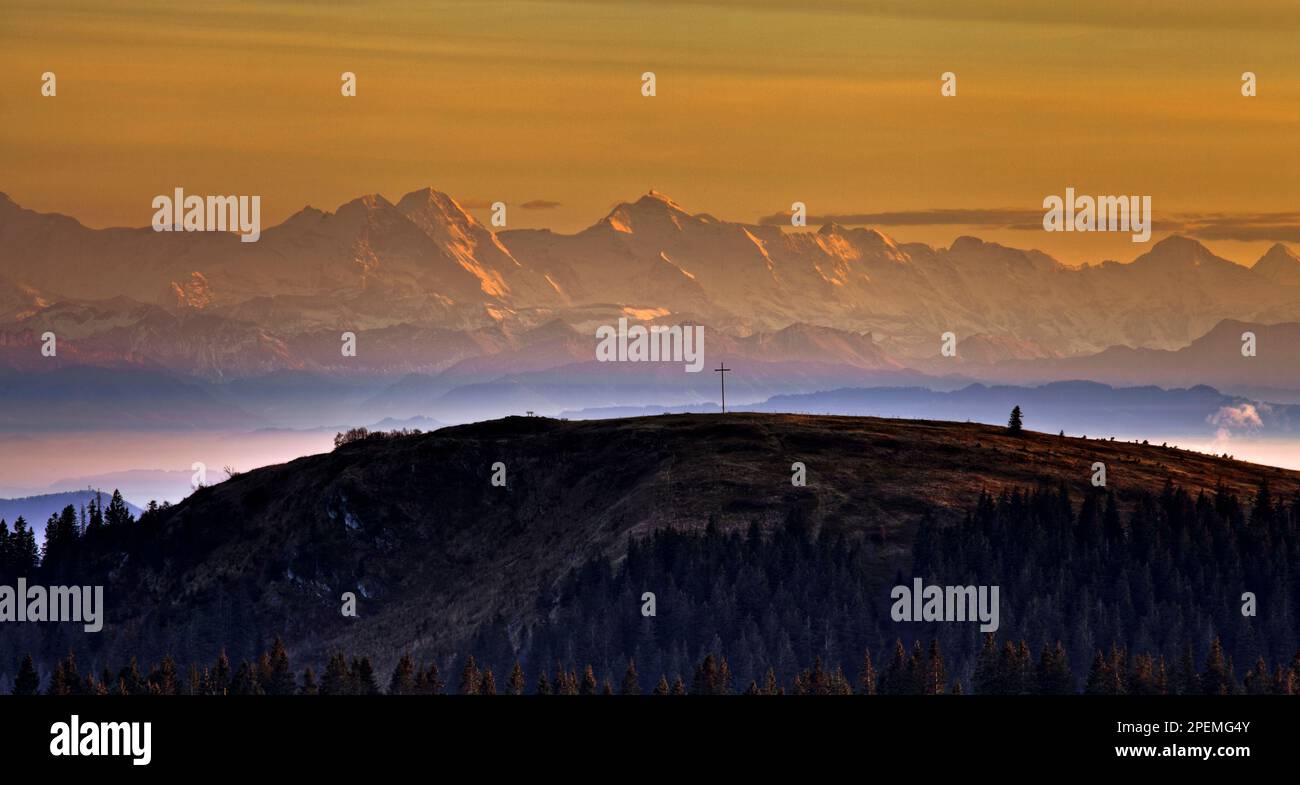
(540, 204)
(1242, 418)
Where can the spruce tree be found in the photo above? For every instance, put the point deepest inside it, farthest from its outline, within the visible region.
(27, 682)
(1186, 680)
(515, 683)
(165, 679)
(724, 678)
(706, 677)
(935, 680)
(118, 513)
(403, 678)
(6, 550)
(219, 678)
(1258, 679)
(24, 553)
(362, 675)
(898, 679)
(470, 678)
(1053, 676)
(336, 680)
(130, 681)
(867, 676)
(1216, 679)
(246, 681)
(588, 686)
(630, 686)
(1016, 423)
(277, 676)
(488, 683)
(986, 668)
(430, 681)
(1101, 679)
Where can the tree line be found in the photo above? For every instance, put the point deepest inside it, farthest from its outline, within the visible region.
(1008, 669)
(1153, 575)
(1132, 593)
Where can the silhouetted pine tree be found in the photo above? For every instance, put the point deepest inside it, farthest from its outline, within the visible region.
(935, 678)
(470, 678)
(898, 679)
(309, 686)
(1258, 680)
(630, 686)
(588, 685)
(118, 513)
(164, 679)
(430, 681)
(402, 682)
(336, 680)
(986, 669)
(27, 682)
(1053, 676)
(246, 681)
(867, 676)
(362, 676)
(277, 676)
(219, 676)
(1216, 679)
(515, 684)
(1101, 678)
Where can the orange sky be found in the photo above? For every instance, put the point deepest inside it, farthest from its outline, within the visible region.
(835, 104)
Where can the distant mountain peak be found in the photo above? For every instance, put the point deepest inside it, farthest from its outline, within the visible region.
(967, 243)
(1279, 264)
(304, 215)
(659, 196)
(368, 201)
(1181, 250)
(1177, 244)
(655, 208)
(1279, 253)
(426, 205)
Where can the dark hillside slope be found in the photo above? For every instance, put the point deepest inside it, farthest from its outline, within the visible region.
(435, 553)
